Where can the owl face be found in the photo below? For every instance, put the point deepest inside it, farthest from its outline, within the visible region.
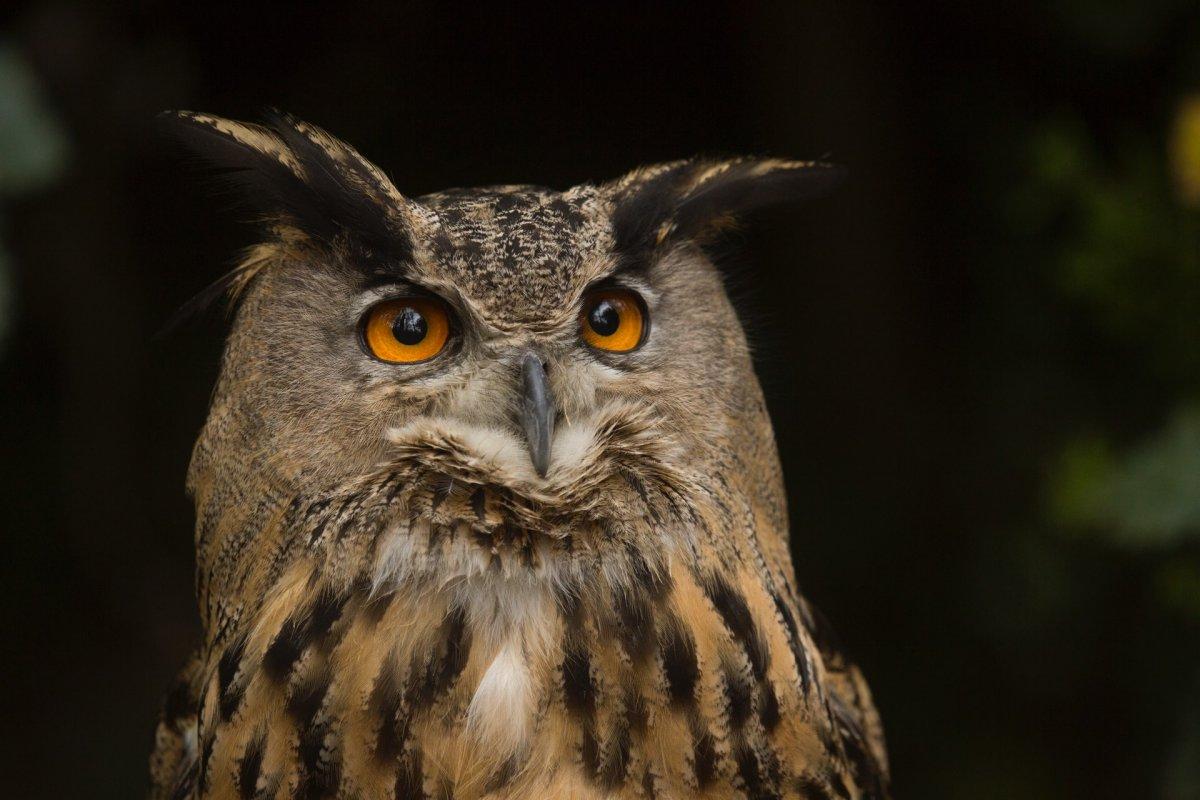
(524, 366)
(542, 344)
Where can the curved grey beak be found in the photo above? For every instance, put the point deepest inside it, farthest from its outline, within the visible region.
(537, 411)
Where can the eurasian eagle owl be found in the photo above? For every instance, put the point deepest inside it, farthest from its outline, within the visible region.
(488, 501)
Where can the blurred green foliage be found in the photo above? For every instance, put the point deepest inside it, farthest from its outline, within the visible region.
(33, 150)
(1125, 245)
(1089, 234)
(1126, 222)
(1148, 497)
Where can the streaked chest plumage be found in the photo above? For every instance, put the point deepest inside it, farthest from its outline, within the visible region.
(402, 599)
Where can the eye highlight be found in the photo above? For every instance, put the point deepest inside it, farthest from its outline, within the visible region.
(406, 330)
(613, 320)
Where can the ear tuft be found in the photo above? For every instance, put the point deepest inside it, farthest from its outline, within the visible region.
(299, 176)
(694, 199)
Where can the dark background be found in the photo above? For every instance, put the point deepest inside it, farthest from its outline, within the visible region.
(982, 354)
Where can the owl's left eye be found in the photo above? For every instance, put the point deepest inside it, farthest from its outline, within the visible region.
(406, 330)
(613, 319)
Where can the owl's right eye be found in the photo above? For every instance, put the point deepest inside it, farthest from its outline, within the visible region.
(406, 330)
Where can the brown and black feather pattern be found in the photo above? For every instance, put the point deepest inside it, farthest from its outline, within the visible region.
(395, 608)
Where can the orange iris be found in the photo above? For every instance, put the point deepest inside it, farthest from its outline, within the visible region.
(406, 330)
(613, 320)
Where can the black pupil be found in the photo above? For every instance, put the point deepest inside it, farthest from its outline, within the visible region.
(410, 326)
(604, 318)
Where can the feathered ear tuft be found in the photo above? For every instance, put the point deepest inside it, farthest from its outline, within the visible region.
(693, 199)
(297, 175)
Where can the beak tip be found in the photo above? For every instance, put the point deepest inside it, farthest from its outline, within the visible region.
(539, 454)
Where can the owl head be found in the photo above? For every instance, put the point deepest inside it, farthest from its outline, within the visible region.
(509, 358)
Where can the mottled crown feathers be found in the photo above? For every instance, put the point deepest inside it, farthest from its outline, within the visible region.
(298, 175)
